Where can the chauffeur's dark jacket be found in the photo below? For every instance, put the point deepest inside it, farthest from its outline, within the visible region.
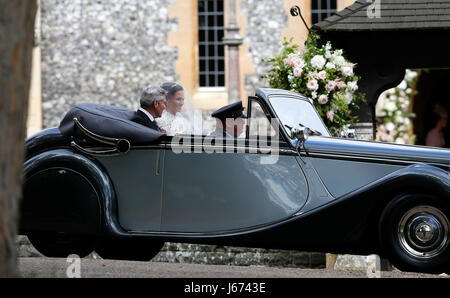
(141, 118)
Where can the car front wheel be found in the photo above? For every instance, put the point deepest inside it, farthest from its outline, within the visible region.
(414, 232)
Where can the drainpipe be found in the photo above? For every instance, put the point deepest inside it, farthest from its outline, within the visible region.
(233, 40)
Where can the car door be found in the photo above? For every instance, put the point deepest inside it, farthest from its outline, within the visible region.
(221, 187)
(137, 179)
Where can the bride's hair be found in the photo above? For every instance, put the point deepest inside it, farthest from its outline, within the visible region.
(171, 88)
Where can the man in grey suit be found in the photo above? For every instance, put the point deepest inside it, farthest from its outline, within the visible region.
(152, 104)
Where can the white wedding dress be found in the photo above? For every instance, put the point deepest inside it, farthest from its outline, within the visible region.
(174, 124)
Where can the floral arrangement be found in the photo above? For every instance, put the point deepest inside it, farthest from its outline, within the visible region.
(323, 75)
(393, 108)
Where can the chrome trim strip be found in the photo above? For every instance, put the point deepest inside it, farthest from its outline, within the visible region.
(94, 136)
(362, 158)
(222, 149)
(99, 152)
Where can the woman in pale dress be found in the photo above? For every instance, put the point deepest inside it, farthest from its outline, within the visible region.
(171, 120)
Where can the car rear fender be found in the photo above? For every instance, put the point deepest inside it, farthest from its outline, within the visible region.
(67, 192)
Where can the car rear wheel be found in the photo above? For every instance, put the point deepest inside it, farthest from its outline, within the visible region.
(62, 244)
(132, 249)
(414, 233)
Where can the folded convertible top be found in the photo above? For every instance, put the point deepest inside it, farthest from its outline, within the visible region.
(107, 121)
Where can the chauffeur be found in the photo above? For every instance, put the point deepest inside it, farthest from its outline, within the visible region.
(230, 120)
(153, 103)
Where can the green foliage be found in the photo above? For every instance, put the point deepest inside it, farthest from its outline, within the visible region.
(321, 74)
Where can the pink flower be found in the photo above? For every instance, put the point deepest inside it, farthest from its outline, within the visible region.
(312, 85)
(340, 84)
(297, 71)
(288, 62)
(330, 86)
(323, 99)
(322, 75)
(330, 115)
(301, 47)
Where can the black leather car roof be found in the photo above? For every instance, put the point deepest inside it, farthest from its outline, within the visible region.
(107, 121)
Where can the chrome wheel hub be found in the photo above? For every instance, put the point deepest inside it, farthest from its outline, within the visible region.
(423, 232)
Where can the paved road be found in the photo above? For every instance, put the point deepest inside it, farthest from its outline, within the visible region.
(98, 268)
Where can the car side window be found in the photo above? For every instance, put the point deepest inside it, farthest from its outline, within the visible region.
(259, 124)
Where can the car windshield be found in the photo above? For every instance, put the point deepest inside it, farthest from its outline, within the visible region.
(295, 112)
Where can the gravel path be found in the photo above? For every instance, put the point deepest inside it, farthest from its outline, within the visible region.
(98, 268)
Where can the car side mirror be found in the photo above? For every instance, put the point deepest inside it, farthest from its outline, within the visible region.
(301, 133)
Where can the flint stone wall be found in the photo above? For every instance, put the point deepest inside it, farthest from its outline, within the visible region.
(103, 52)
(265, 21)
(212, 254)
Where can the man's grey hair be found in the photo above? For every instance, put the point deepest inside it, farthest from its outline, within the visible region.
(150, 94)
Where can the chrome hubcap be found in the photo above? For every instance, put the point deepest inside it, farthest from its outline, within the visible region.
(423, 232)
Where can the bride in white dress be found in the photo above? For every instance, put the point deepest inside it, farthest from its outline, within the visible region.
(172, 120)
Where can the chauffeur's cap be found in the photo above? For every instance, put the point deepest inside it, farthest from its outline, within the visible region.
(233, 110)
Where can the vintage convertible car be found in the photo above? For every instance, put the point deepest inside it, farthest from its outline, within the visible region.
(101, 182)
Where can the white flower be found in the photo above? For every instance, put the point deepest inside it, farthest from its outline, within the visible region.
(410, 75)
(318, 61)
(314, 95)
(403, 85)
(390, 126)
(390, 106)
(338, 60)
(400, 141)
(348, 98)
(330, 65)
(312, 85)
(347, 71)
(323, 99)
(353, 86)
